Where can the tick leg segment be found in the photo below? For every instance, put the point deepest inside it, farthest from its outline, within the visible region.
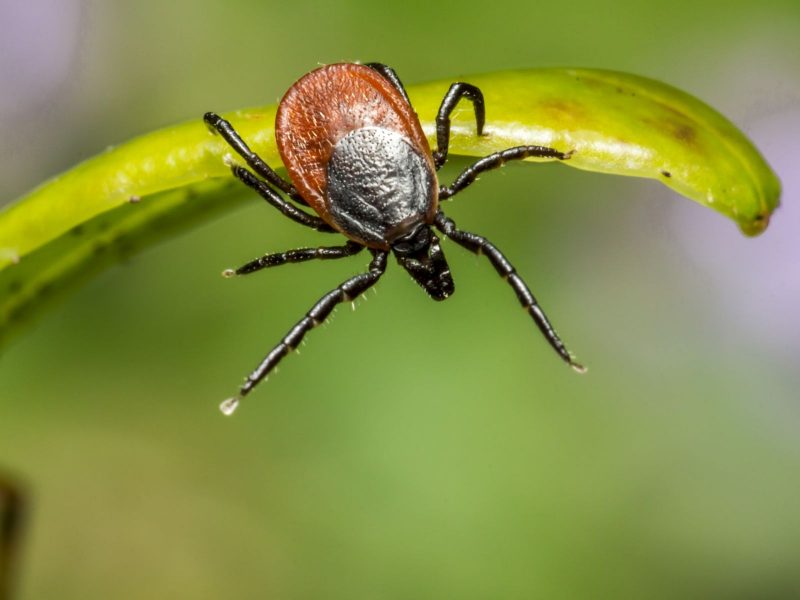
(271, 196)
(495, 161)
(235, 141)
(296, 255)
(505, 269)
(348, 290)
(390, 75)
(454, 94)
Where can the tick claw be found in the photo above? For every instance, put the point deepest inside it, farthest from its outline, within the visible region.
(580, 369)
(229, 406)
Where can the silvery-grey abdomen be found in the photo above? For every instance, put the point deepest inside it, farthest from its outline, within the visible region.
(379, 186)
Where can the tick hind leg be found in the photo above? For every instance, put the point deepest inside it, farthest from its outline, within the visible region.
(456, 92)
(390, 75)
(348, 290)
(272, 197)
(235, 141)
(480, 245)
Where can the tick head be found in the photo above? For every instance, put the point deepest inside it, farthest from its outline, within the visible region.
(419, 253)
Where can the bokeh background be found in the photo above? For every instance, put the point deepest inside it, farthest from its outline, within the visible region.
(414, 449)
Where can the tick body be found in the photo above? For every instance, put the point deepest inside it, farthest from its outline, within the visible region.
(355, 150)
(357, 157)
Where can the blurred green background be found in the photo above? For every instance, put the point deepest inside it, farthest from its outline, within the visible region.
(414, 449)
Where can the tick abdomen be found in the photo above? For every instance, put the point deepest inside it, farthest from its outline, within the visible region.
(316, 115)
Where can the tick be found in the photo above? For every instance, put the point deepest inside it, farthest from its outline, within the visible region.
(357, 157)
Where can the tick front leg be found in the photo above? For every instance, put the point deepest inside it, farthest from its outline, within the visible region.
(495, 161)
(480, 245)
(454, 94)
(296, 255)
(348, 290)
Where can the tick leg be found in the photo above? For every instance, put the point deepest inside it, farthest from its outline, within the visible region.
(390, 75)
(454, 94)
(271, 196)
(297, 255)
(495, 161)
(235, 141)
(348, 290)
(505, 269)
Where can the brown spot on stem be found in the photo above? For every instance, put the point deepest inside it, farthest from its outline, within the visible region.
(563, 110)
(683, 131)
